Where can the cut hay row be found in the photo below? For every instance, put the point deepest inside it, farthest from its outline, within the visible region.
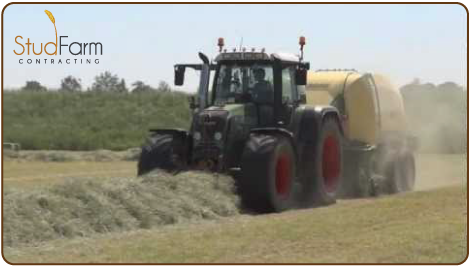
(88, 174)
(66, 156)
(82, 208)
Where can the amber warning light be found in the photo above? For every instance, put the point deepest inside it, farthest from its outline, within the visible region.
(220, 43)
(302, 44)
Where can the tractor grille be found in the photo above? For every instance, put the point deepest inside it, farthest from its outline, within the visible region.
(206, 151)
(211, 122)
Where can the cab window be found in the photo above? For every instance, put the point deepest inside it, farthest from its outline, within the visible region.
(288, 85)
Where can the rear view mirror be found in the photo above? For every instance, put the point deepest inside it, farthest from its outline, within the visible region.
(301, 76)
(179, 75)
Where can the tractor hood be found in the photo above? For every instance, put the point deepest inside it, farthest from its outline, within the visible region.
(222, 130)
(216, 123)
(243, 113)
(232, 109)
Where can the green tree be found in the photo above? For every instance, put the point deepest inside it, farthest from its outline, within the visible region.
(139, 87)
(449, 86)
(70, 84)
(106, 82)
(121, 87)
(33, 86)
(164, 87)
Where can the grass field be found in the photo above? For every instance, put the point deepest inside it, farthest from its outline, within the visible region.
(426, 226)
(36, 173)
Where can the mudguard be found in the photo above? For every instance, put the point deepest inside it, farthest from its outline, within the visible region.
(308, 121)
(277, 131)
(175, 132)
(273, 130)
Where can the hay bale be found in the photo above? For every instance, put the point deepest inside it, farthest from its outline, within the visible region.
(86, 207)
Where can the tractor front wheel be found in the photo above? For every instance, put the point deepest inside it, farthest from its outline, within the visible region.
(267, 173)
(156, 153)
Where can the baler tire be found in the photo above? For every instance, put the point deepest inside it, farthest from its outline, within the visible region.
(156, 153)
(267, 176)
(362, 184)
(409, 171)
(323, 167)
(401, 174)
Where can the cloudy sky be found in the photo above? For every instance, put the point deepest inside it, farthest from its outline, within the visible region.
(143, 42)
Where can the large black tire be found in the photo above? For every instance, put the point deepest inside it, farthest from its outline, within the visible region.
(360, 176)
(322, 167)
(267, 174)
(401, 174)
(156, 153)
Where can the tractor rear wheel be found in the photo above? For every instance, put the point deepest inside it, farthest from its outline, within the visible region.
(267, 173)
(323, 167)
(156, 153)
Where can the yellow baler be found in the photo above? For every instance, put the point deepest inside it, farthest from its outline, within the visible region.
(373, 120)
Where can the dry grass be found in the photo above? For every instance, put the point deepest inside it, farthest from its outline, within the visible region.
(80, 208)
(113, 216)
(67, 156)
(421, 227)
(20, 174)
(440, 170)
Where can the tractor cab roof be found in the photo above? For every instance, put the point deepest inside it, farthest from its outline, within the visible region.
(257, 56)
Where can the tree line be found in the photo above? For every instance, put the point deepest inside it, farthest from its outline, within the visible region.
(104, 82)
(89, 120)
(103, 118)
(437, 115)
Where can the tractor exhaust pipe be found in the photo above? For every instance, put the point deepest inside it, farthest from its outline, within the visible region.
(204, 82)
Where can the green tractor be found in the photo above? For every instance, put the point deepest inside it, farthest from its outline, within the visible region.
(255, 124)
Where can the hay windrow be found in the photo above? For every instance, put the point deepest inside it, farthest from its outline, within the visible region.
(131, 154)
(82, 208)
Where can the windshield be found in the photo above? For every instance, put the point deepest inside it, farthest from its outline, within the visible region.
(238, 83)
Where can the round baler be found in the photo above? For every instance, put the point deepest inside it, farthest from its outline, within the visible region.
(378, 150)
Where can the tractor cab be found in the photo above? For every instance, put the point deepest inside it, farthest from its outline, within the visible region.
(255, 78)
(266, 82)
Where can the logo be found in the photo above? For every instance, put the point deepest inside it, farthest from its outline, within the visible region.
(59, 47)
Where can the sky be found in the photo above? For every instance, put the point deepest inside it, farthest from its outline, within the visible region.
(143, 42)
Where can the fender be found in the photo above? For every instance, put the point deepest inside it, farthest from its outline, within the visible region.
(175, 132)
(273, 130)
(278, 131)
(308, 120)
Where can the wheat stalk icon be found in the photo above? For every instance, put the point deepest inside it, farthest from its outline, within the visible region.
(51, 17)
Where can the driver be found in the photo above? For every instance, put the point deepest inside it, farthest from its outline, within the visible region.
(262, 90)
(227, 77)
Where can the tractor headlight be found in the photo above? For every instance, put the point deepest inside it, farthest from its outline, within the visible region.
(197, 135)
(218, 136)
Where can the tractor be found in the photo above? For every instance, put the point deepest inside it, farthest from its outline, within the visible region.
(286, 139)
